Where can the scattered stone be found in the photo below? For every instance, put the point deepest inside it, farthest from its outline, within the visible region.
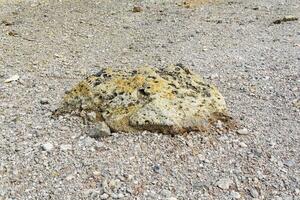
(88, 142)
(254, 193)
(118, 196)
(166, 193)
(114, 184)
(92, 116)
(11, 79)
(296, 103)
(66, 147)
(156, 169)
(47, 146)
(137, 9)
(224, 183)
(96, 173)
(99, 130)
(219, 125)
(285, 19)
(170, 100)
(171, 198)
(289, 163)
(243, 131)
(243, 145)
(70, 177)
(235, 195)
(44, 101)
(104, 196)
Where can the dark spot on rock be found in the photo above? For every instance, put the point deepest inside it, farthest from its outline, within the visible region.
(97, 83)
(143, 92)
(152, 77)
(179, 64)
(99, 73)
(206, 93)
(134, 72)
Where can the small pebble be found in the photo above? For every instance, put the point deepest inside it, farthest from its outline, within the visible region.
(137, 9)
(171, 198)
(235, 195)
(254, 193)
(289, 163)
(44, 101)
(243, 145)
(12, 78)
(224, 183)
(99, 130)
(47, 146)
(243, 131)
(156, 169)
(69, 177)
(104, 196)
(92, 116)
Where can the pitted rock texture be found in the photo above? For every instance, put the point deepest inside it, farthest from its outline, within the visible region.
(170, 100)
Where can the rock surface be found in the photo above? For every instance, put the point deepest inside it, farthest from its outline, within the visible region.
(170, 100)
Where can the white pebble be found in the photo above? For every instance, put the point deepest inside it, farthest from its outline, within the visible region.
(47, 146)
(254, 193)
(172, 198)
(243, 145)
(11, 79)
(104, 196)
(243, 131)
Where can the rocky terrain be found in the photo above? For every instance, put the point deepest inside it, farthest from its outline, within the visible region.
(248, 49)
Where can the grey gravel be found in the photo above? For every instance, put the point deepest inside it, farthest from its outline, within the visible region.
(51, 45)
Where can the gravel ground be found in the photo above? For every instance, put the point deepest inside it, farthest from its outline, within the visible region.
(233, 44)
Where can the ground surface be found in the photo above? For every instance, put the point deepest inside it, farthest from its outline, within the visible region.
(233, 44)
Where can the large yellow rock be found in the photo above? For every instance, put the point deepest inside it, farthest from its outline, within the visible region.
(171, 100)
